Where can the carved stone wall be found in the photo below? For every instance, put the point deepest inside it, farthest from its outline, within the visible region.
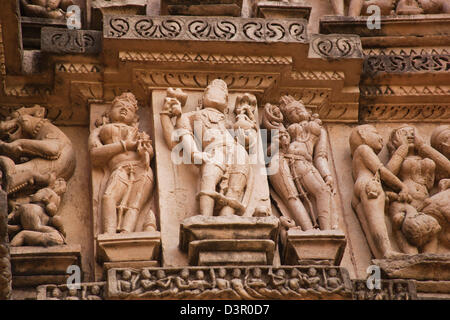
(162, 59)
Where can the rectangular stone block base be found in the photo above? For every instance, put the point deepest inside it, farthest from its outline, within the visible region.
(33, 266)
(229, 240)
(280, 10)
(314, 247)
(231, 252)
(136, 246)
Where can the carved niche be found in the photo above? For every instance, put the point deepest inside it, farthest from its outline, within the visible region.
(123, 182)
(302, 182)
(223, 207)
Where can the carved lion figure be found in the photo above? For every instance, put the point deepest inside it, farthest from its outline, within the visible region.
(33, 151)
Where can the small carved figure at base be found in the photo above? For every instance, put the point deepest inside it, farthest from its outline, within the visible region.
(35, 222)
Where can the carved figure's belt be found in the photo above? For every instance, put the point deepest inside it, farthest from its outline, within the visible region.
(297, 157)
(129, 164)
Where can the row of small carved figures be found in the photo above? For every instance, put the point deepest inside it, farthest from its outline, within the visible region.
(387, 290)
(85, 291)
(255, 282)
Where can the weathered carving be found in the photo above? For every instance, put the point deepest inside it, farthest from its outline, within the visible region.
(438, 205)
(88, 291)
(126, 151)
(78, 68)
(58, 40)
(376, 64)
(335, 46)
(36, 157)
(414, 231)
(205, 28)
(410, 7)
(303, 180)
(389, 290)
(230, 283)
(52, 9)
(369, 197)
(163, 79)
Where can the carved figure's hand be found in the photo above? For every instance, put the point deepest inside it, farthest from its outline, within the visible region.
(404, 195)
(172, 107)
(131, 145)
(329, 181)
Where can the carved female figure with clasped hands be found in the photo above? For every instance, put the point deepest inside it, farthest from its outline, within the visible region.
(127, 152)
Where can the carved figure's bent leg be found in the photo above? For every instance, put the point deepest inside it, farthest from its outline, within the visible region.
(15, 177)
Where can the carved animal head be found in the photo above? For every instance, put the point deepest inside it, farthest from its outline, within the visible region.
(22, 123)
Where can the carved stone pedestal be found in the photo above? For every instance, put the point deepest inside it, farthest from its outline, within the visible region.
(314, 247)
(280, 10)
(117, 7)
(136, 246)
(32, 266)
(229, 240)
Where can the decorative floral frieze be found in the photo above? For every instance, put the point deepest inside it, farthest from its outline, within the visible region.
(205, 28)
(164, 79)
(413, 63)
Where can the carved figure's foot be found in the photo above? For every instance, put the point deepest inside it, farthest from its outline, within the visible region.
(393, 254)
